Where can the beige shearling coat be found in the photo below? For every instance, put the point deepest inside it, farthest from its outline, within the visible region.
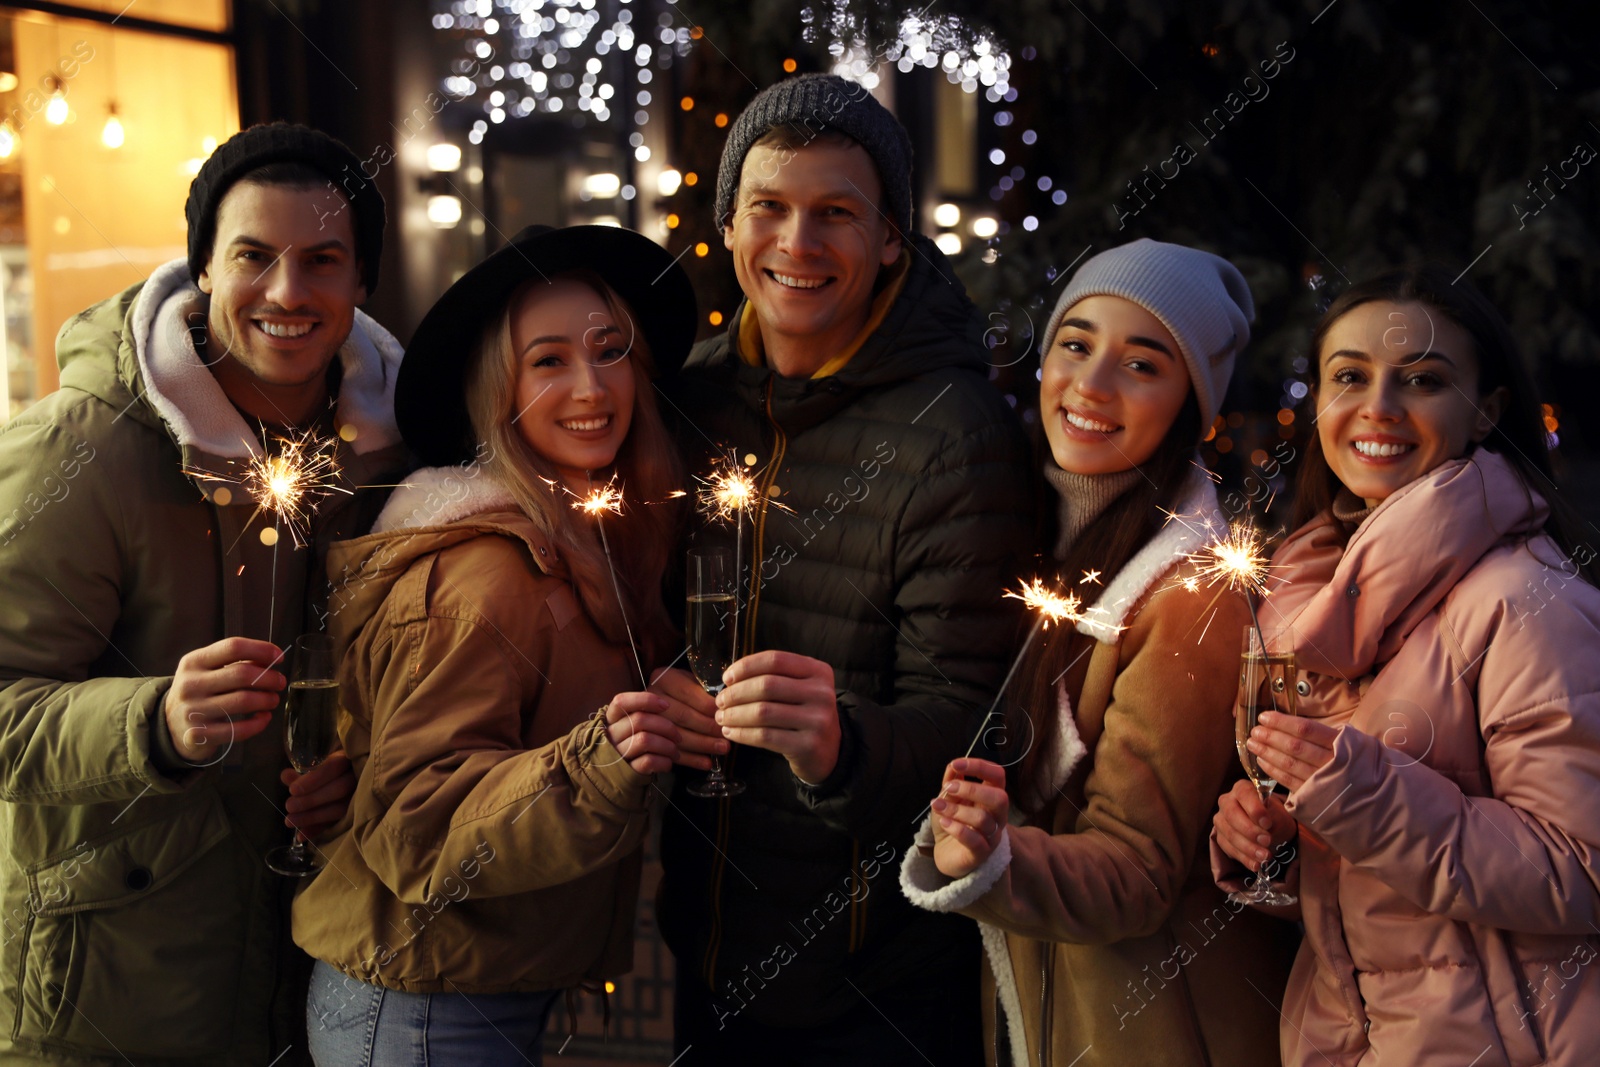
(1105, 937)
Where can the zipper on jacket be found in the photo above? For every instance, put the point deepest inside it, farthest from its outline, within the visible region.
(718, 868)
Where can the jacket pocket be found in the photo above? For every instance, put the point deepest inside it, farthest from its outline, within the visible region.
(136, 941)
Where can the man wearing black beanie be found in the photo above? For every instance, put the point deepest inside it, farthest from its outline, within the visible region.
(148, 603)
(890, 514)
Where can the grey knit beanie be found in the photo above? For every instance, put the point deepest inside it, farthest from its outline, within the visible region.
(1200, 298)
(818, 102)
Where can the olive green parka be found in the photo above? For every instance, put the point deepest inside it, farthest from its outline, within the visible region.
(139, 921)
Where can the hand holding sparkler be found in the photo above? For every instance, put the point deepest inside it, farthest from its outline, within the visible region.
(969, 815)
(221, 695)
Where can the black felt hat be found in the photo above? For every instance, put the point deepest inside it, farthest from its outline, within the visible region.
(430, 392)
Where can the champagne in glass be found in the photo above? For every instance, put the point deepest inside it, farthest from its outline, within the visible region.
(713, 642)
(311, 721)
(1266, 683)
(711, 638)
(310, 733)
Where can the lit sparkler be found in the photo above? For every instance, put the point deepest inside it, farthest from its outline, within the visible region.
(729, 492)
(1238, 561)
(291, 481)
(597, 502)
(288, 483)
(1051, 607)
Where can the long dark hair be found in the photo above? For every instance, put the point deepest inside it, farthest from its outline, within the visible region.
(1106, 545)
(1519, 435)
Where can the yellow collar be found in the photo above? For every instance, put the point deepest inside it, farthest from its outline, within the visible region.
(752, 350)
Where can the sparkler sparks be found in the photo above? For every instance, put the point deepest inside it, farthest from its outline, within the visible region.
(597, 502)
(727, 491)
(1051, 606)
(600, 499)
(1237, 560)
(290, 482)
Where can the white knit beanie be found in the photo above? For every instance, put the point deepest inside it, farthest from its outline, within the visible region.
(1200, 298)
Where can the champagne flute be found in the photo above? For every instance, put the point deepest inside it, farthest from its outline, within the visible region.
(1266, 683)
(310, 733)
(713, 642)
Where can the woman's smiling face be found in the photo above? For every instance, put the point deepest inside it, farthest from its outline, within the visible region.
(1114, 381)
(575, 385)
(1397, 396)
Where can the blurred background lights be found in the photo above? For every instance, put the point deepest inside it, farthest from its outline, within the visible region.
(444, 157)
(444, 211)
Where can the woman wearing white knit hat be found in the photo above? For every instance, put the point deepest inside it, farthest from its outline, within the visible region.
(1084, 861)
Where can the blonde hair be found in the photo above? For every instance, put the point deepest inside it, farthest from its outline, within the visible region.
(647, 467)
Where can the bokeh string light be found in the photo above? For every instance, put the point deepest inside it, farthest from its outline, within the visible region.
(555, 57)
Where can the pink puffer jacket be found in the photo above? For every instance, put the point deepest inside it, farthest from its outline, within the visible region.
(1448, 853)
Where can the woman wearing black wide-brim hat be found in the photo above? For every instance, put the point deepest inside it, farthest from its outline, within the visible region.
(491, 856)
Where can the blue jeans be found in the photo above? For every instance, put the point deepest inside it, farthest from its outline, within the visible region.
(354, 1024)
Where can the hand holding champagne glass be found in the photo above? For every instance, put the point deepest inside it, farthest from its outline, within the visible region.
(1266, 683)
(713, 642)
(310, 732)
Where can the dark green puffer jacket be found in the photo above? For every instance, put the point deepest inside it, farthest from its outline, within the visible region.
(907, 475)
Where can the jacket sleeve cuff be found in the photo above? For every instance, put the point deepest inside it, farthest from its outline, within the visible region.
(1322, 789)
(612, 776)
(164, 754)
(928, 887)
(812, 792)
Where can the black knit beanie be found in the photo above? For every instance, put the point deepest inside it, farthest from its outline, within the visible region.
(284, 142)
(817, 102)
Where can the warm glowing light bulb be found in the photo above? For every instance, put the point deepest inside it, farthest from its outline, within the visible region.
(112, 134)
(8, 142)
(55, 112)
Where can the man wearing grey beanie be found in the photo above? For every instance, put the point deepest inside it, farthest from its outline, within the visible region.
(892, 511)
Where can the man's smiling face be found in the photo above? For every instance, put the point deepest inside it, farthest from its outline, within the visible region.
(284, 281)
(808, 239)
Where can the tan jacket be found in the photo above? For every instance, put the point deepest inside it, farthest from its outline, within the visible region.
(493, 843)
(1449, 876)
(1106, 939)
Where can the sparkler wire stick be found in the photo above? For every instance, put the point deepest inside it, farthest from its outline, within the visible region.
(272, 598)
(597, 503)
(995, 706)
(1052, 607)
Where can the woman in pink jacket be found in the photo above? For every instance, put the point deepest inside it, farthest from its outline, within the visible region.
(1442, 771)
